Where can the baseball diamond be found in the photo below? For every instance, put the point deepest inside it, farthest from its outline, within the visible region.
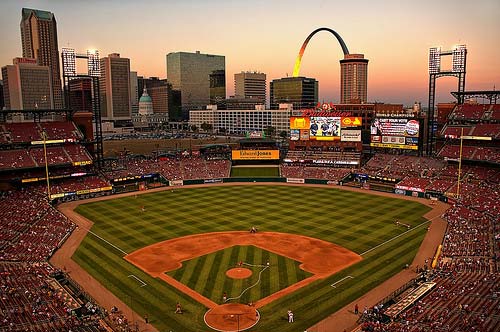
(220, 217)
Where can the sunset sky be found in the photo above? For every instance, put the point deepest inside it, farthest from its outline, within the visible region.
(266, 35)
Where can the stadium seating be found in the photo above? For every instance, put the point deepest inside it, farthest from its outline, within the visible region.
(455, 131)
(15, 159)
(486, 129)
(468, 112)
(77, 184)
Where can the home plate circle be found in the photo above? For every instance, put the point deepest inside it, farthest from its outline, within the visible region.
(231, 317)
(239, 273)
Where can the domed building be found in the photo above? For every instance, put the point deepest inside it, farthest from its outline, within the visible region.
(145, 103)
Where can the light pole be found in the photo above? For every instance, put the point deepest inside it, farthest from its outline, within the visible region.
(44, 135)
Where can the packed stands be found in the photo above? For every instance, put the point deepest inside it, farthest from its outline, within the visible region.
(31, 228)
(184, 168)
(32, 300)
(83, 183)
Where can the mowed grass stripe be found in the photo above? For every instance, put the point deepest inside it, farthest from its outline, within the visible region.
(356, 221)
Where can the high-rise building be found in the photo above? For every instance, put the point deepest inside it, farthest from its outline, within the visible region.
(250, 85)
(39, 41)
(114, 86)
(217, 86)
(353, 79)
(2, 103)
(80, 94)
(300, 91)
(134, 92)
(190, 73)
(27, 85)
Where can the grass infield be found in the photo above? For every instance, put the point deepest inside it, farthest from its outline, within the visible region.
(271, 280)
(356, 221)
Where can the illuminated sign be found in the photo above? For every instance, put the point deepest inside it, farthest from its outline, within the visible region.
(324, 128)
(255, 154)
(351, 121)
(299, 122)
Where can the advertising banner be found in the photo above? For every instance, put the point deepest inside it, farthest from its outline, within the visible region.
(255, 154)
(175, 183)
(351, 122)
(349, 135)
(294, 180)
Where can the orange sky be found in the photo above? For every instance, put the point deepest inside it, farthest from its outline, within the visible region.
(266, 36)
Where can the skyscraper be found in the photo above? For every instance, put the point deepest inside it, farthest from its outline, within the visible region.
(27, 85)
(39, 41)
(250, 85)
(300, 91)
(190, 73)
(114, 86)
(353, 79)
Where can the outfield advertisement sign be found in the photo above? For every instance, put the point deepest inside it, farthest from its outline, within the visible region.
(294, 180)
(212, 181)
(174, 183)
(255, 154)
(420, 190)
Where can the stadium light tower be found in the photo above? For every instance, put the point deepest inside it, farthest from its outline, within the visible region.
(459, 57)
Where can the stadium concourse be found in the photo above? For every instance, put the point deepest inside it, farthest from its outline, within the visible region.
(37, 296)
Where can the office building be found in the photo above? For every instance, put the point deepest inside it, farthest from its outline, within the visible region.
(250, 85)
(134, 92)
(2, 103)
(114, 86)
(217, 86)
(39, 41)
(353, 79)
(27, 85)
(242, 122)
(302, 92)
(80, 94)
(190, 73)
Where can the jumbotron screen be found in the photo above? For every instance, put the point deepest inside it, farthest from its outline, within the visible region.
(397, 133)
(325, 128)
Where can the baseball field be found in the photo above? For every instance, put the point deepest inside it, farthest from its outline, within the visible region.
(316, 249)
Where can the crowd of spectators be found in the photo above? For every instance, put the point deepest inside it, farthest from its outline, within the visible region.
(184, 168)
(75, 184)
(310, 172)
(30, 301)
(467, 297)
(31, 228)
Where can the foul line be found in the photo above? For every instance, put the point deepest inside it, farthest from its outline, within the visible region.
(258, 281)
(138, 279)
(100, 238)
(397, 236)
(348, 277)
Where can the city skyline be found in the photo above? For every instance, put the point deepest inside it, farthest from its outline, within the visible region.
(395, 37)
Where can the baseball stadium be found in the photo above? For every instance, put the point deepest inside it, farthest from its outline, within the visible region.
(249, 234)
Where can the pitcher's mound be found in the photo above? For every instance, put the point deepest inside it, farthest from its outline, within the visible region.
(239, 273)
(232, 317)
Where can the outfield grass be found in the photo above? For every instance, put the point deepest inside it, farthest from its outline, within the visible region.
(253, 172)
(356, 221)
